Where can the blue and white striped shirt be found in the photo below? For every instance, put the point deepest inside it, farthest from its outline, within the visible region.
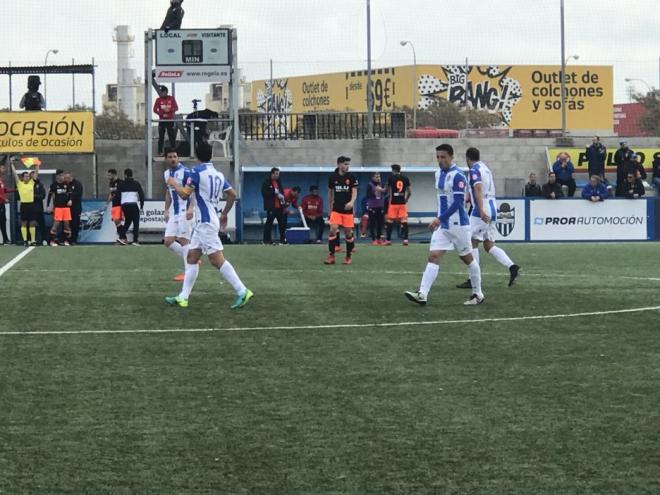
(451, 185)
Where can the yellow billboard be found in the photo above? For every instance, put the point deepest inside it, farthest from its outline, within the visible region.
(523, 96)
(46, 132)
(579, 157)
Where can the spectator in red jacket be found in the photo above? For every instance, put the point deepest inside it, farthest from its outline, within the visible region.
(3, 201)
(312, 206)
(165, 107)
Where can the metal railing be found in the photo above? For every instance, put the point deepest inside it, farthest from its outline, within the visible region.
(336, 125)
(189, 131)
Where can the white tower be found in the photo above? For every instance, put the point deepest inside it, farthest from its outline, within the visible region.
(126, 86)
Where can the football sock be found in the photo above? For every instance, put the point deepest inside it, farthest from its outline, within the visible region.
(230, 275)
(33, 234)
(475, 278)
(332, 242)
(430, 274)
(189, 281)
(501, 256)
(350, 245)
(475, 254)
(404, 227)
(177, 248)
(388, 230)
(24, 233)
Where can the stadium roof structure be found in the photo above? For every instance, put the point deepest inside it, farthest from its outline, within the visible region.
(21, 70)
(11, 70)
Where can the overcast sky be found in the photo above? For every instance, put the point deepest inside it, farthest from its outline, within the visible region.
(314, 36)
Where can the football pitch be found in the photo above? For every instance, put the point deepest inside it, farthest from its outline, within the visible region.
(329, 381)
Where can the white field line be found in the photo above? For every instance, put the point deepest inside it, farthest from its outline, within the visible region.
(338, 326)
(15, 260)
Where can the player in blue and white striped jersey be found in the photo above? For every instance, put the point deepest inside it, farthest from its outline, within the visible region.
(484, 214)
(178, 213)
(451, 229)
(206, 186)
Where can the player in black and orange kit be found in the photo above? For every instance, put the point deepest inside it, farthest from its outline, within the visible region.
(60, 193)
(115, 199)
(342, 193)
(398, 186)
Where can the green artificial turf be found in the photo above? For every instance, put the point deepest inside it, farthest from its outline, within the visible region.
(558, 406)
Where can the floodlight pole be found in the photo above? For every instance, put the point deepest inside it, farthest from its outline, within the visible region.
(370, 96)
(563, 72)
(148, 122)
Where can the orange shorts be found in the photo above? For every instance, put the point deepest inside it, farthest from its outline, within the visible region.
(117, 214)
(397, 213)
(62, 214)
(342, 219)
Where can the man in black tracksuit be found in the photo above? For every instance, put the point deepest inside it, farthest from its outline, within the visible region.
(132, 203)
(274, 203)
(76, 204)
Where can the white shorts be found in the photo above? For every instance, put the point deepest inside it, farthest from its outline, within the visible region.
(482, 231)
(457, 238)
(205, 237)
(178, 226)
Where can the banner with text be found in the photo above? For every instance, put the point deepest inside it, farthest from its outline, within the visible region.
(580, 220)
(579, 157)
(522, 96)
(46, 132)
(96, 225)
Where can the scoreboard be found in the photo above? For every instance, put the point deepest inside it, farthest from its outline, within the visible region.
(193, 55)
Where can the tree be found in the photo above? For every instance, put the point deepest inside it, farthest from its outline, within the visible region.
(445, 115)
(112, 124)
(650, 121)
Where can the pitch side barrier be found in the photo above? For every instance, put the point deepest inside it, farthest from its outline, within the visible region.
(568, 220)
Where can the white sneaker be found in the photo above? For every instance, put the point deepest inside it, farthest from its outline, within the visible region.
(474, 300)
(135, 243)
(416, 297)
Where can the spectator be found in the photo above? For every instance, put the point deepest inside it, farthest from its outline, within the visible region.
(33, 100)
(132, 203)
(165, 107)
(3, 201)
(633, 187)
(532, 189)
(312, 206)
(634, 166)
(596, 156)
(274, 201)
(656, 173)
(563, 169)
(622, 155)
(290, 201)
(552, 190)
(25, 189)
(76, 204)
(595, 191)
(376, 208)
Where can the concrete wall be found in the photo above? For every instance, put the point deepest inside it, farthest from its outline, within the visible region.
(509, 158)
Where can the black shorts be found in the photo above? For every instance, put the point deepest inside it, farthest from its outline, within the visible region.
(28, 212)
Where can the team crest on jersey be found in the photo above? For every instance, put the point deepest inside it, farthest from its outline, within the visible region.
(506, 219)
(461, 185)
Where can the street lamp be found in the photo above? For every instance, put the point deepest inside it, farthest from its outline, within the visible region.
(54, 51)
(631, 79)
(404, 43)
(564, 63)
